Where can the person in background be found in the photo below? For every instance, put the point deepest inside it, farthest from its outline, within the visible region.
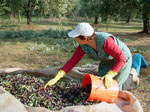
(114, 56)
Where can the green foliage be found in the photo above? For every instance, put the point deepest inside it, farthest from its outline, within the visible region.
(91, 7)
(139, 49)
(34, 4)
(35, 34)
(124, 39)
(57, 8)
(76, 11)
(129, 9)
(68, 44)
(40, 48)
(11, 6)
(113, 9)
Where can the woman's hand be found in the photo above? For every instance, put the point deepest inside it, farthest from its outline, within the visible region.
(109, 77)
(60, 74)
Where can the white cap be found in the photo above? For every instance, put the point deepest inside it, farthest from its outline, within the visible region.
(84, 29)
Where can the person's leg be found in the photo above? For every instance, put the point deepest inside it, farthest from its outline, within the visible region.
(129, 83)
(123, 74)
(88, 68)
(138, 62)
(132, 81)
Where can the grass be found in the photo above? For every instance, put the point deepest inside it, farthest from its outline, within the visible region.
(54, 23)
(142, 92)
(33, 54)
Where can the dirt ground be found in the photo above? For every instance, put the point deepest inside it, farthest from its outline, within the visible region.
(143, 91)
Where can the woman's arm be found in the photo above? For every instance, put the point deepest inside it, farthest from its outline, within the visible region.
(78, 54)
(113, 49)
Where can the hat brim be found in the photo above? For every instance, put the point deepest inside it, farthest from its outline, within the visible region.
(73, 34)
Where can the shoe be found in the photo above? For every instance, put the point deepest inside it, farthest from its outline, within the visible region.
(134, 76)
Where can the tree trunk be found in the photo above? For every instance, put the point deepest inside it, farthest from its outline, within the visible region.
(73, 15)
(96, 20)
(29, 13)
(19, 15)
(86, 16)
(146, 18)
(128, 19)
(146, 23)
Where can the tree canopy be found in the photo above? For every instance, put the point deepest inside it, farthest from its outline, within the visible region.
(104, 9)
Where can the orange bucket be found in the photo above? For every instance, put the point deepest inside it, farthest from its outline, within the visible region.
(98, 91)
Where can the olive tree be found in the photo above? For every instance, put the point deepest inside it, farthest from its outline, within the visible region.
(5, 7)
(14, 7)
(145, 7)
(92, 8)
(29, 6)
(58, 8)
(100, 8)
